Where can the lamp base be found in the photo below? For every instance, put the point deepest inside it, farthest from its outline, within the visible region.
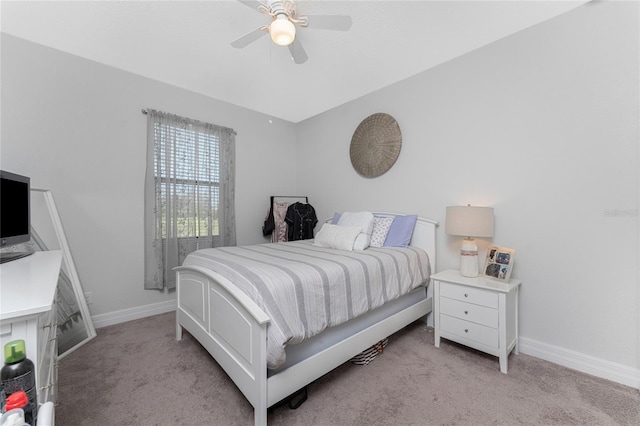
(469, 258)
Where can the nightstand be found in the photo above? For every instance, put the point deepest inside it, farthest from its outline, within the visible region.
(477, 312)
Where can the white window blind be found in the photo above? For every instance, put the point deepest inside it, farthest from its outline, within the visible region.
(187, 166)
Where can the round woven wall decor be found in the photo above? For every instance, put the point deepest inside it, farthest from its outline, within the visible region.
(375, 145)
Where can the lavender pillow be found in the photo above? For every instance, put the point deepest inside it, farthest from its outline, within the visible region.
(401, 230)
(336, 218)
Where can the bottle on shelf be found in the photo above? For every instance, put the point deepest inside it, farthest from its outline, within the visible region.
(18, 373)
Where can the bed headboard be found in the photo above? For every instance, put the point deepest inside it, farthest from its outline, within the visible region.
(424, 235)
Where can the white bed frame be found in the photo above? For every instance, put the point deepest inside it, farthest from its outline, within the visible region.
(233, 329)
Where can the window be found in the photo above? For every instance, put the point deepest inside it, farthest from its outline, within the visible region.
(189, 192)
(191, 168)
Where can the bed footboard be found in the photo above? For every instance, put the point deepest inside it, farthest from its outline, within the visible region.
(233, 329)
(230, 326)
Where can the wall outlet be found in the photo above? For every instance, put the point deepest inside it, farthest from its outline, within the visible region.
(88, 297)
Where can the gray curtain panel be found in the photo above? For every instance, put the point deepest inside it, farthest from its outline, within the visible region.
(189, 193)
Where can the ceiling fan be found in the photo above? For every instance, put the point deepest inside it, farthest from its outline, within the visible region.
(282, 28)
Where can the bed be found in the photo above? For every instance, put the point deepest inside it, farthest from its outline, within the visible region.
(232, 324)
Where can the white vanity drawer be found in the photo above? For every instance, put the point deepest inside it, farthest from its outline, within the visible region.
(469, 294)
(469, 312)
(487, 336)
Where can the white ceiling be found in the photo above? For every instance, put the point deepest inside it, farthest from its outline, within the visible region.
(187, 44)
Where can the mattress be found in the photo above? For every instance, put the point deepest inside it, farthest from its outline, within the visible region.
(306, 289)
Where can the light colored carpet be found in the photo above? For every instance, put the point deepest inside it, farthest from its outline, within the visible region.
(136, 373)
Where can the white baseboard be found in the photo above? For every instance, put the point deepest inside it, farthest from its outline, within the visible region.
(117, 317)
(585, 363)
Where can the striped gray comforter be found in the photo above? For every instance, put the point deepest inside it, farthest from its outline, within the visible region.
(304, 289)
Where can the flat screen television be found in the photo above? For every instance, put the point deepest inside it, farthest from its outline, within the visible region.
(15, 213)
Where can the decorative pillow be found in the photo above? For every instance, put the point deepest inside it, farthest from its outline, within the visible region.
(362, 241)
(336, 218)
(362, 219)
(381, 227)
(337, 237)
(401, 231)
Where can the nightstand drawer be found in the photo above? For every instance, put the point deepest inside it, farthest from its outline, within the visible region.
(469, 294)
(469, 312)
(478, 333)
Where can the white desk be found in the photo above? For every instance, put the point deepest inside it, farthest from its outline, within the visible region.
(28, 285)
(27, 311)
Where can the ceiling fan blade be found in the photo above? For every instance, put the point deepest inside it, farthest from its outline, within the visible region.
(253, 4)
(329, 22)
(249, 38)
(297, 51)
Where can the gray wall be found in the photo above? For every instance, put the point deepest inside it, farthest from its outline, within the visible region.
(75, 127)
(543, 126)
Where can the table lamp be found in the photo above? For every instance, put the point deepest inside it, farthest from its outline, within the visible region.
(469, 221)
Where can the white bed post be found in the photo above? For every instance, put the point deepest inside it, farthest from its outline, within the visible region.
(260, 407)
(178, 326)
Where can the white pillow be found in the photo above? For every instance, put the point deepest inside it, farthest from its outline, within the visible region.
(337, 237)
(364, 220)
(362, 241)
(381, 226)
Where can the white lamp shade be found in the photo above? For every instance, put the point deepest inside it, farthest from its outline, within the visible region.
(469, 221)
(282, 31)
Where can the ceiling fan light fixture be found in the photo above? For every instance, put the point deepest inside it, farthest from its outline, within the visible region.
(282, 30)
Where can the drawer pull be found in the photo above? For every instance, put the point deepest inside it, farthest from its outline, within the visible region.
(466, 330)
(466, 312)
(466, 295)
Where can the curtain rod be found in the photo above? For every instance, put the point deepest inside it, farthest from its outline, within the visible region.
(145, 112)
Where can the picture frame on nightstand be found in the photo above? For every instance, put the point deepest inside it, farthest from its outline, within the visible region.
(499, 263)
